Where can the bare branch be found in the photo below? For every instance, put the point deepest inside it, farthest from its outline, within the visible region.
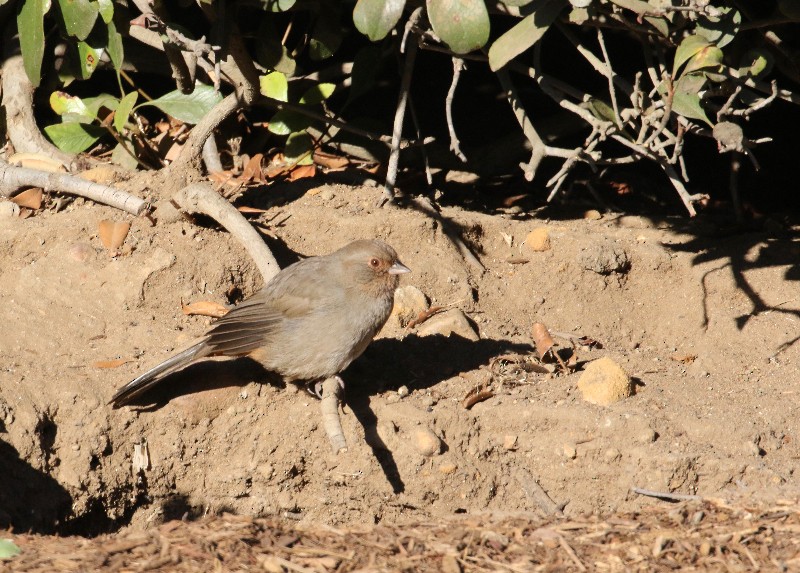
(458, 66)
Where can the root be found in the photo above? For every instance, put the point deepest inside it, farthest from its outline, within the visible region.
(201, 198)
(20, 123)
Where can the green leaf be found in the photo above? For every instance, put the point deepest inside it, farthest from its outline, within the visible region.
(461, 24)
(686, 99)
(122, 158)
(755, 63)
(318, 94)
(660, 24)
(30, 23)
(601, 110)
(8, 549)
(708, 57)
(88, 58)
(525, 33)
(274, 85)
(106, 9)
(93, 104)
(115, 49)
(189, 108)
(376, 18)
(299, 149)
(74, 137)
(124, 110)
(637, 6)
(365, 71)
(278, 5)
(270, 53)
(327, 34)
(286, 122)
(719, 30)
(63, 103)
(79, 16)
(688, 48)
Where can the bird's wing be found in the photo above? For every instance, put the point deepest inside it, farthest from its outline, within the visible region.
(294, 293)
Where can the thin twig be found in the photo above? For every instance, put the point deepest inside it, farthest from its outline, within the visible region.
(400, 112)
(455, 147)
(609, 73)
(668, 496)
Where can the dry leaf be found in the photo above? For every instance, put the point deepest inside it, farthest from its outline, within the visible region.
(474, 396)
(510, 201)
(30, 198)
(330, 161)
(541, 338)
(252, 170)
(302, 172)
(174, 152)
(204, 308)
(246, 209)
(589, 342)
(117, 362)
(25, 213)
(37, 161)
(141, 457)
(113, 233)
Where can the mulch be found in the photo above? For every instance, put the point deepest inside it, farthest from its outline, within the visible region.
(708, 535)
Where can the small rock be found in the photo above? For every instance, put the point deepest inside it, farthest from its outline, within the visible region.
(448, 468)
(81, 252)
(409, 301)
(9, 209)
(612, 454)
(537, 240)
(570, 451)
(402, 391)
(592, 215)
(426, 442)
(326, 194)
(451, 322)
(648, 436)
(604, 382)
(604, 257)
(510, 442)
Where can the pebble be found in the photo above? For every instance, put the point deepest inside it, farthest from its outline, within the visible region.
(409, 301)
(537, 240)
(510, 442)
(402, 391)
(81, 252)
(592, 215)
(327, 194)
(448, 468)
(604, 382)
(426, 442)
(451, 322)
(570, 451)
(604, 257)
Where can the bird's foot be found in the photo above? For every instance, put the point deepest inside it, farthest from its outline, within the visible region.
(315, 388)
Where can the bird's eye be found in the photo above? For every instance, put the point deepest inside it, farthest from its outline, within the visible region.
(374, 263)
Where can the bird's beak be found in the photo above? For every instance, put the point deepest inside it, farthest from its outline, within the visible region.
(398, 269)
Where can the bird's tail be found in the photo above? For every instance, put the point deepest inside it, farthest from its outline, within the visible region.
(156, 374)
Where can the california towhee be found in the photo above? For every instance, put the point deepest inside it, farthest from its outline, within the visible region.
(308, 323)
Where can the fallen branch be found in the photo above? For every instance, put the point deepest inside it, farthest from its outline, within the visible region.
(13, 178)
(201, 198)
(329, 405)
(536, 494)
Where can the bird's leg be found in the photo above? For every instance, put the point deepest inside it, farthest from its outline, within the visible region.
(315, 386)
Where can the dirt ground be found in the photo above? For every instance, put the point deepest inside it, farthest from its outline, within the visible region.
(705, 324)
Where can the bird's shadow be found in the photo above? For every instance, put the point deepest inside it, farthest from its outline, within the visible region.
(388, 363)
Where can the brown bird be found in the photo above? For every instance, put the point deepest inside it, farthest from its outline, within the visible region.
(308, 323)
